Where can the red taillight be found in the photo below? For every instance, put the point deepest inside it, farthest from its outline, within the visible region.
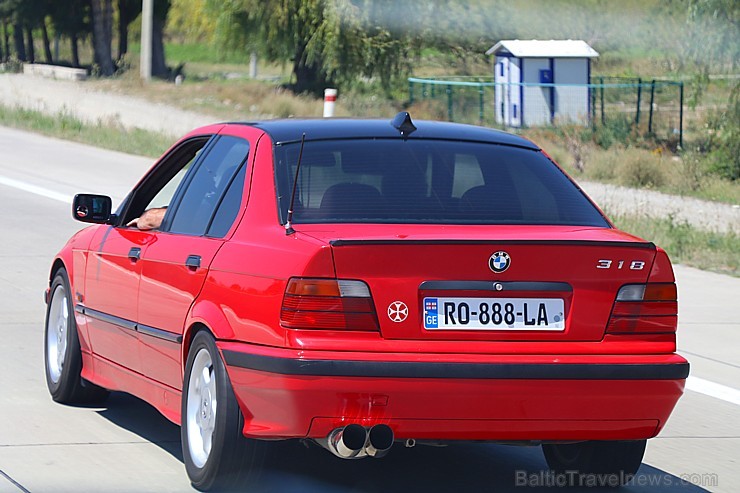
(328, 304)
(645, 308)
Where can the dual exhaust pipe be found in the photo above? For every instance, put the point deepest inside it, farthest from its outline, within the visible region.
(355, 442)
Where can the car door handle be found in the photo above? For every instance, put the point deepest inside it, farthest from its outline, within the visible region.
(134, 254)
(193, 262)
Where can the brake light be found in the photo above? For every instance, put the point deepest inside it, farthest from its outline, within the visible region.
(645, 308)
(328, 304)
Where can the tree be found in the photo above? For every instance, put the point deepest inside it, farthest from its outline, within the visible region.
(16, 13)
(72, 20)
(6, 40)
(192, 20)
(328, 41)
(712, 38)
(159, 64)
(128, 10)
(47, 43)
(102, 19)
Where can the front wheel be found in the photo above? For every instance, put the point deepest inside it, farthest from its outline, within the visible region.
(216, 453)
(62, 354)
(598, 463)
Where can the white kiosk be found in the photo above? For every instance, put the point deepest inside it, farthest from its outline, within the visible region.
(541, 82)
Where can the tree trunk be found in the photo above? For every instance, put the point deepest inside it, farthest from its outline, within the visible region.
(75, 51)
(159, 66)
(308, 77)
(6, 41)
(20, 47)
(102, 13)
(30, 48)
(123, 22)
(47, 43)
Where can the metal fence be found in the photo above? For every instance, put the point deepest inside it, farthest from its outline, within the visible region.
(627, 107)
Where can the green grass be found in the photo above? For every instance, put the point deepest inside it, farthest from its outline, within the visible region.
(717, 252)
(101, 134)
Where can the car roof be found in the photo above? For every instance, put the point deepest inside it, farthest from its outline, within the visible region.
(290, 130)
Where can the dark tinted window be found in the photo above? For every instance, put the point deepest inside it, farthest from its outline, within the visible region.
(428, 181)
(229, 207)
(209, 182)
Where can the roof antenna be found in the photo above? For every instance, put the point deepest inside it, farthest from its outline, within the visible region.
(288, 223)
(402, 122)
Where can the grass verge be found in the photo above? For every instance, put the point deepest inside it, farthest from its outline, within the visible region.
(716, 252)
(108, 135)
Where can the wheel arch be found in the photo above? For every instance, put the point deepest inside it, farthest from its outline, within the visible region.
(187, 341)
(204, 315)
(55, 267)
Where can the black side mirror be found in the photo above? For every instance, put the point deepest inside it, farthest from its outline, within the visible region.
(90, 208)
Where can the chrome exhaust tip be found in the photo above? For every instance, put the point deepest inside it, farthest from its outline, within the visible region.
(347, 442)
(380, 441)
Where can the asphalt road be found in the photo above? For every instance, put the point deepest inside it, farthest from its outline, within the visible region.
(127, 446)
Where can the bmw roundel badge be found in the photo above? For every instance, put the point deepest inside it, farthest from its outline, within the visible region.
(499, 262)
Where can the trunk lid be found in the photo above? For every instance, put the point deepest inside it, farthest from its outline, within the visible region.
(492, 283)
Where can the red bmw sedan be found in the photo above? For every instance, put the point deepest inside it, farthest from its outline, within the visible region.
(359, 283)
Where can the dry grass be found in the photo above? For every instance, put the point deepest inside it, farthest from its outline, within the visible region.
(225, 99)
(656, 169)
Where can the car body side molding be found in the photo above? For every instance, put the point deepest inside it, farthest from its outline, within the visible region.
(129, 324)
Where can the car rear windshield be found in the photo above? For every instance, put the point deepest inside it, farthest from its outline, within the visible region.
(427, 181)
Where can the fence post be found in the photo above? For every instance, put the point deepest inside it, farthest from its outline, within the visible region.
(603, 119)
(639, 100)
(433, 87)
(411, 93)
(480, 104)
(592, 97)
(449, 102)
(680, 117)
(652, 101)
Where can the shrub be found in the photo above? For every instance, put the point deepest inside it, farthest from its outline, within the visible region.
(724, 141)
(615, 130)
(640, 168)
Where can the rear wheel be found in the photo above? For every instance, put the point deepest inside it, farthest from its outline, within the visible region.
(62, 354)
(216, 453)
(604, 463)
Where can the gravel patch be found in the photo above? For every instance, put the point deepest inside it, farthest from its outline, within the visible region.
(79, 99)
(702, 214)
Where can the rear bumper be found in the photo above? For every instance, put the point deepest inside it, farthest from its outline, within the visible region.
(287, 394)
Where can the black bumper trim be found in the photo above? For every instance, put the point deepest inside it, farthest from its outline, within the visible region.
(502, 371)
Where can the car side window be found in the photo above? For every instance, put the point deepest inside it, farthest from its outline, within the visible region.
(158, 188)
(205, 190)
(229, 207)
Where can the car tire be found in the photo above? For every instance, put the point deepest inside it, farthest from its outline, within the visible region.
(62, 353)
(608, 463)
(216, 453)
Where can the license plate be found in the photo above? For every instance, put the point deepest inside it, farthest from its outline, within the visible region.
(493, 314)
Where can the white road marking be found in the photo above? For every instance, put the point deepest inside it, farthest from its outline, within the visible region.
(718, 391)
(27, 187)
